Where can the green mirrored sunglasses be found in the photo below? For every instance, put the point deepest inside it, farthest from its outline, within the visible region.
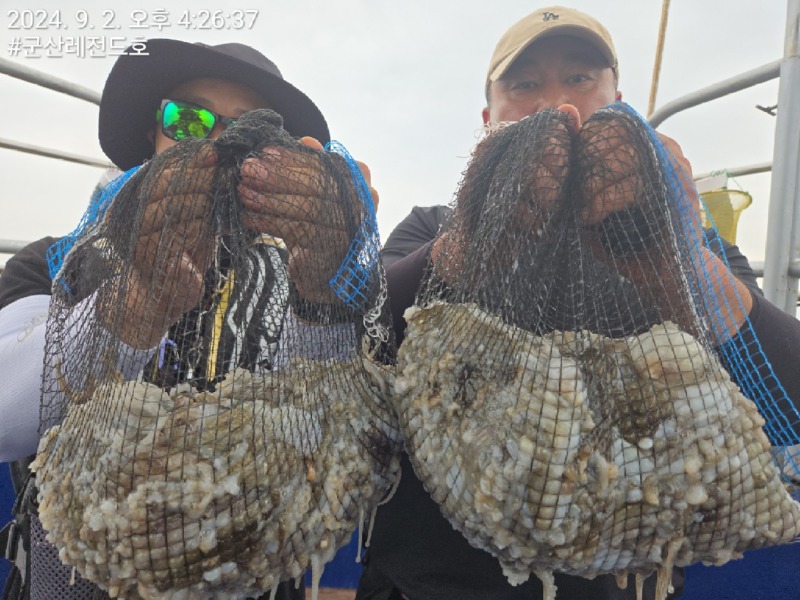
(180, 120)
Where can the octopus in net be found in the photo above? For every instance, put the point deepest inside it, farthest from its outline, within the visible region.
(218, 494)
(584, 454)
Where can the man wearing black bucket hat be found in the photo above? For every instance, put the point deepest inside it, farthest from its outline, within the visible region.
(149, 103)
(137, 84)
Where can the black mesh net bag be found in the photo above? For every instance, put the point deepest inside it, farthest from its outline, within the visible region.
(560, 387)
(218, 452)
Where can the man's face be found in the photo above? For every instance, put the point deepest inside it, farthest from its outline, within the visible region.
(219, 96)
(551, 72)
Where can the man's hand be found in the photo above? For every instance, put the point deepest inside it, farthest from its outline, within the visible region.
(617, 181)
(529, 196)
(728, 294)
(290, 194)
(613, 178)
(173, 250)
(315, 144)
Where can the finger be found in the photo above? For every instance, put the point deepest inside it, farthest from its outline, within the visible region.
(376, 199)
(365, 172)
(689, 202)
(309, 278)
(180, 180)
(312, 143)
(677, 154)
(276, 222)
(171, 211)
(179, 285)
(299, 233)
(283, 172)
(574, 120)
(301, 207)
(613, 197)
(205, 158)
(549, 170)
(613, 181)
(368, 180)
(194, 237)
(674, 147)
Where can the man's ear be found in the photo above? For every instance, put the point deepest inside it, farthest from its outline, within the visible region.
(485, 115)
(619, 96)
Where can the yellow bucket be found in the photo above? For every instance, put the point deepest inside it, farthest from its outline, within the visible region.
(724, 206)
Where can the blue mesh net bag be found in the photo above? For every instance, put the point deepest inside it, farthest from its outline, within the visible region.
(214, 418)
(579, 387)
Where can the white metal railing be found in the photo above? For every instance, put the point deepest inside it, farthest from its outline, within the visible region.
(782, 256)
(19, 71)
(783, 223)
(716, 90)
(24, 73)
(60, 154)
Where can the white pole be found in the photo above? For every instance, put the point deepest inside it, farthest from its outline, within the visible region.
(783, 228)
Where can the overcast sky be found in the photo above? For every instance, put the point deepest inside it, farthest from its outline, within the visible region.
(401, 85)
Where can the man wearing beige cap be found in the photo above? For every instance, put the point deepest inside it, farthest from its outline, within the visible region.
(552, 57)
(555, 58)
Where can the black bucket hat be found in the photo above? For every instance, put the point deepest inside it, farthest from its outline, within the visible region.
(137, 83)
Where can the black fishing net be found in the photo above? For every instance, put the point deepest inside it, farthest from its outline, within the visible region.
(214, 420)
(561, 388)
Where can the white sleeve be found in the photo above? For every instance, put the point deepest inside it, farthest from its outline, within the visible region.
(22, 345)
(22, 326)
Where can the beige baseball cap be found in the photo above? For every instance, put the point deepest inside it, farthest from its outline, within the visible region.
(545, 22)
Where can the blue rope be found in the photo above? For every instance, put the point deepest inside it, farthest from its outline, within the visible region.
(352, 280)
(742, 355)
(98, 205)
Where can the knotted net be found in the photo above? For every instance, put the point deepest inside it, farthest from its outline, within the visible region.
(213, 418)
(561, 387)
